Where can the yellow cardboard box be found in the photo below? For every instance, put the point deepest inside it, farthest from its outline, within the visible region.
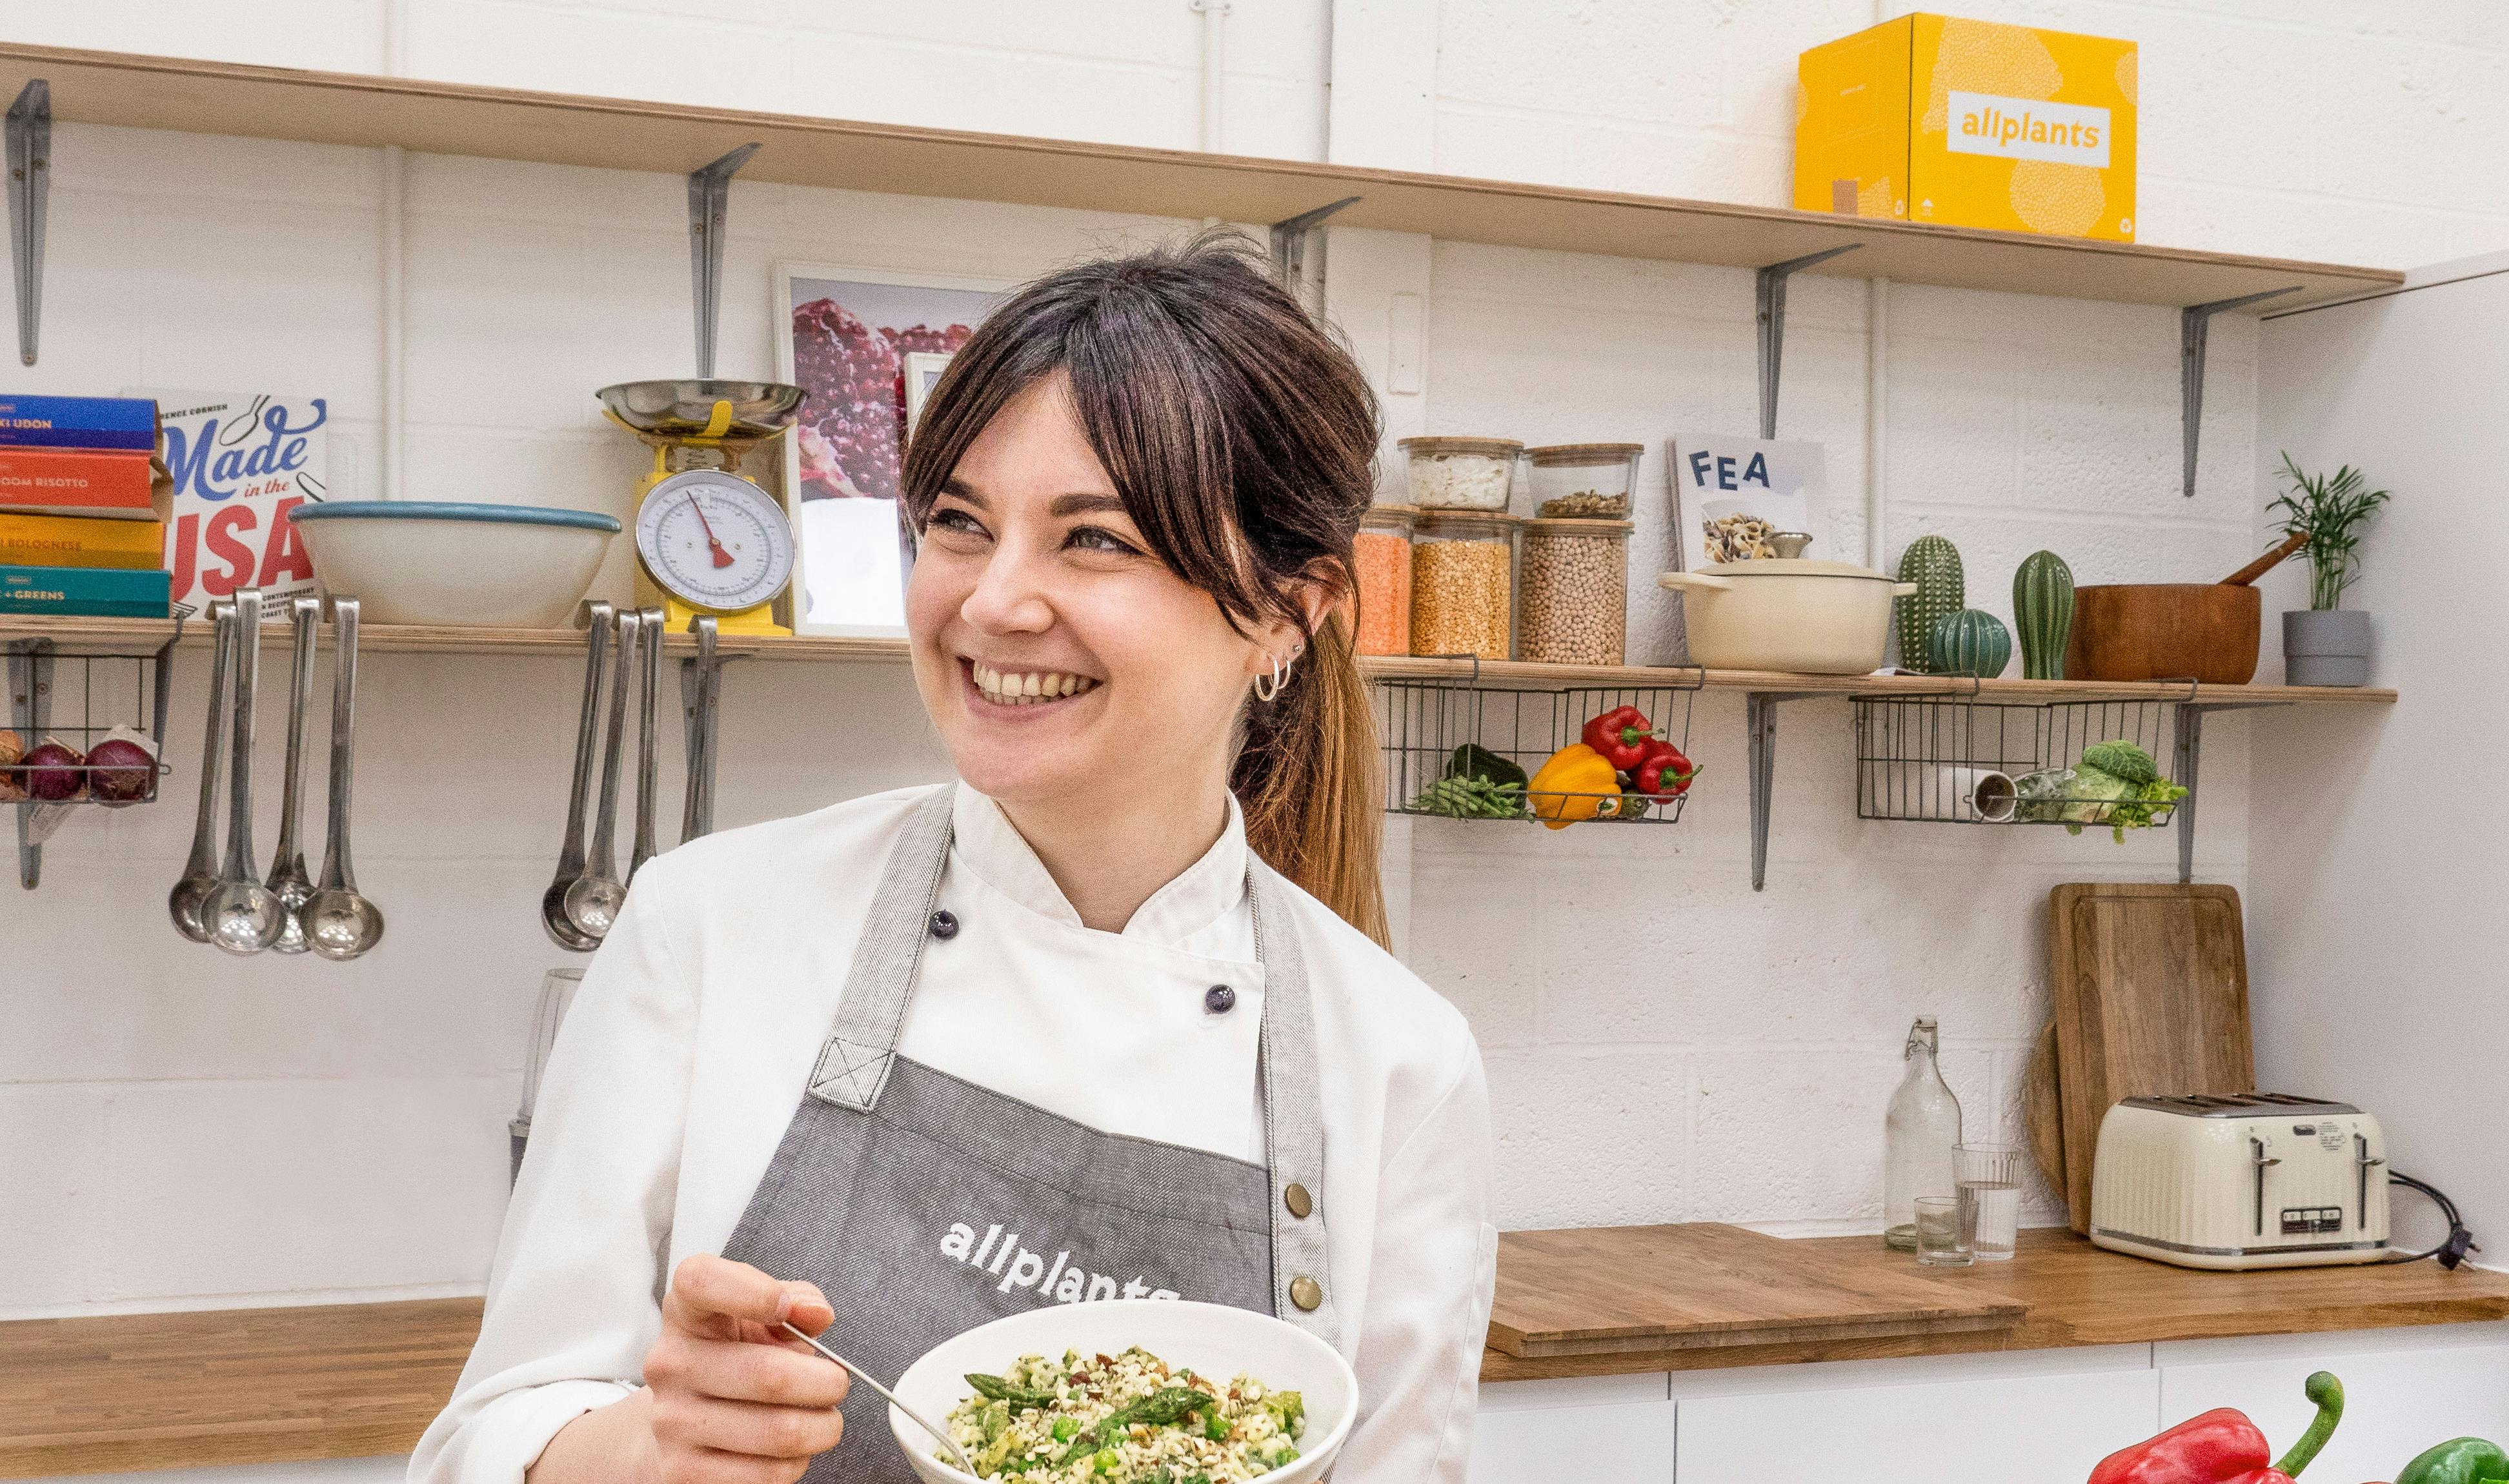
(1971, 123)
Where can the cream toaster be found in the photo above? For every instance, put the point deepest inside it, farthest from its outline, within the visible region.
(2248, 1181)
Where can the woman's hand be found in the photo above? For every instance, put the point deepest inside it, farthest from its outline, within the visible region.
(728, 1398)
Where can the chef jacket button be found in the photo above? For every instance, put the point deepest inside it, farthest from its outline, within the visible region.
(944, 925)
(1297, 1199)
(1220, 999)
(1306, 1293)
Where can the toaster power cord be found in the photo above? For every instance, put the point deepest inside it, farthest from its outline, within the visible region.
(2459, 1241)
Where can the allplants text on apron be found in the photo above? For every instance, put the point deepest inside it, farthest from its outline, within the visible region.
(1064, 1282)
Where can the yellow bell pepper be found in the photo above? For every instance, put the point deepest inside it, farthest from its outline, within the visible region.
(1575, 783)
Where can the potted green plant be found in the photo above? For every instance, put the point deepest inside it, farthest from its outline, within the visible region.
(2327, 643)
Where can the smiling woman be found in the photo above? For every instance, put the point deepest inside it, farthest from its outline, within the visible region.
(1106, 1018)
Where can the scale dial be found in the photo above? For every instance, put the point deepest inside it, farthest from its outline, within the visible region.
(714, 540)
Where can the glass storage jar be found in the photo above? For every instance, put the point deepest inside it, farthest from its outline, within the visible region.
(1576, 599)
(1583, 481)
(1460, 473)
(1462, 584)
(1382, 553)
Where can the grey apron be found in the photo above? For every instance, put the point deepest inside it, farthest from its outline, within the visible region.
(923, 1206)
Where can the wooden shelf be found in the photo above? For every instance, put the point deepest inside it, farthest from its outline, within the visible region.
(245, 1386)
(619, 133)
(405, 639)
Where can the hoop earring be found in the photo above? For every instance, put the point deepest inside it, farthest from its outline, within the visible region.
(1268, 687)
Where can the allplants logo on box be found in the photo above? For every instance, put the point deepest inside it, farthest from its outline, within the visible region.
(2028, 129)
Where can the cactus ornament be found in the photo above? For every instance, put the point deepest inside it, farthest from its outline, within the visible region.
(1934, 564)
(1970, 642)
(2043, 609)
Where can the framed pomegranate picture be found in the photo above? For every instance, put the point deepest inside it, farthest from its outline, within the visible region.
(852, 337)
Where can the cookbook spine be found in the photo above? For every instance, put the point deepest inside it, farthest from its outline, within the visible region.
(79, 422)
(53, 482)
(60, 540)
(86, 591)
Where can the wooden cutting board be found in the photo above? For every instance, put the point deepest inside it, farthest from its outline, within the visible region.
(1705, 1284)
(2151, 990)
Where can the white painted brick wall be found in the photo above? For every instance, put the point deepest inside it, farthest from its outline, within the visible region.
(178, 1129)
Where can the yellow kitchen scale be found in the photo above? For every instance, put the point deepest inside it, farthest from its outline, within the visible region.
(707, 540)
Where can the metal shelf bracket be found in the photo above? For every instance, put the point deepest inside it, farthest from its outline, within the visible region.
(2186, 749)
(30, 712)
(30, 182)
(2194, 323)
(1293, 240)
(1760, 716)
(1770, 292)
(709, 197)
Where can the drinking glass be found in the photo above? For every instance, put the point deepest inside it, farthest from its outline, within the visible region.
(1990, 1197)
(557, 992)
(1940, 1241)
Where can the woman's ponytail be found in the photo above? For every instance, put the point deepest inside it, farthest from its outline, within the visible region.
(1309, 781)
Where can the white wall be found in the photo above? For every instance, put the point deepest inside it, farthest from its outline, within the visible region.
(2379, 940)
(1664, 1043)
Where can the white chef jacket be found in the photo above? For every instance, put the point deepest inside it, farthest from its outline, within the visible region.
(690, 1041)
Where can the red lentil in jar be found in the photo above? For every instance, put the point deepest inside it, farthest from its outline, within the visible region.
(1382, 553)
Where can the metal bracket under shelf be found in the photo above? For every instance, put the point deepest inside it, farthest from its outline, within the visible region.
(2187, 747)
(1294, 240)
(1770, 291)
(30, 712)
(30, 181)
(1760, 716)
(2195, 324)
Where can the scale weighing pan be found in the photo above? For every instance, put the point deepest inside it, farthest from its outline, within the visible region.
(685, 409)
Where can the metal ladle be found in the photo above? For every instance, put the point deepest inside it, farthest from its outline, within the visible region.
(339, 923)
(201, 873)
(650, 623)
(593, 901)
(704, 690)
(288, 875)
(243, 915)
(856, 1372)
(570, 856)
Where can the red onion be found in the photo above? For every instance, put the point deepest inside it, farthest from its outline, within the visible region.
(50, 772)
(119, 772)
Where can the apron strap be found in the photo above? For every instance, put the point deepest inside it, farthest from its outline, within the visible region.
(853, 1065)
(1292, 1099)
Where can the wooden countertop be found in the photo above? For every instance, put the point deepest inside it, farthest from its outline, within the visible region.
(2074, 1293)
(162, 1390)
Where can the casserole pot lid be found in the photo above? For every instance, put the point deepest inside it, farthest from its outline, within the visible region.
(1794, 567)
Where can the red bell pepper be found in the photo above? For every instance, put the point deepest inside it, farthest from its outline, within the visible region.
(1663, 771)
(2222, 1447)
(1621, 735)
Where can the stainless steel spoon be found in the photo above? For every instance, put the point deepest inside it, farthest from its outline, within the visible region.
(593, 903)
(570, 856)
(696, 811)
(243, 915)
(648, 750)
(201, 873)
(339, 923)
(856, 1372)
(288, 875)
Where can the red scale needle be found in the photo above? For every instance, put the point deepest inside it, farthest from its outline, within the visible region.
(721, 558)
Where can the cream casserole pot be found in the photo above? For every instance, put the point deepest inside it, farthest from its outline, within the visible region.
(1779, 613)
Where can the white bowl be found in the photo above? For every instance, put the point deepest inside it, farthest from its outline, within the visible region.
(1212, 1339)
(423, 561)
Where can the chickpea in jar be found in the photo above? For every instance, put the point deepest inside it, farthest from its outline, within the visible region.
(1576, 592)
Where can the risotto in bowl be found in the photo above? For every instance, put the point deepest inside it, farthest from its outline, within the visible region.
(1129, 1391)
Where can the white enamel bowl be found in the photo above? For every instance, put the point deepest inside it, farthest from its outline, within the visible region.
(423, 561)
(1212, 1339)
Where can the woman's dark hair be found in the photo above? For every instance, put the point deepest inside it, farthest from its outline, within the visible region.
(1242, 438)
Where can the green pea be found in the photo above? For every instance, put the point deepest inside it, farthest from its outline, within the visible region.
(1066, 1428)
(1107, 1461)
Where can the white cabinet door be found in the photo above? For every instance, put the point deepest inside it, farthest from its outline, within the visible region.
(2039, 1428)
(1614, 1429)
(2403, 1391)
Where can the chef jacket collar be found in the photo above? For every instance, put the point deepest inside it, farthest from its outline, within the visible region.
(988, 845)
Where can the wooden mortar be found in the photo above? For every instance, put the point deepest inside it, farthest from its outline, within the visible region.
(2138, 631)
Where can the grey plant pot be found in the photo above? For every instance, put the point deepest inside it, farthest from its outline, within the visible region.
(2325, 648)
